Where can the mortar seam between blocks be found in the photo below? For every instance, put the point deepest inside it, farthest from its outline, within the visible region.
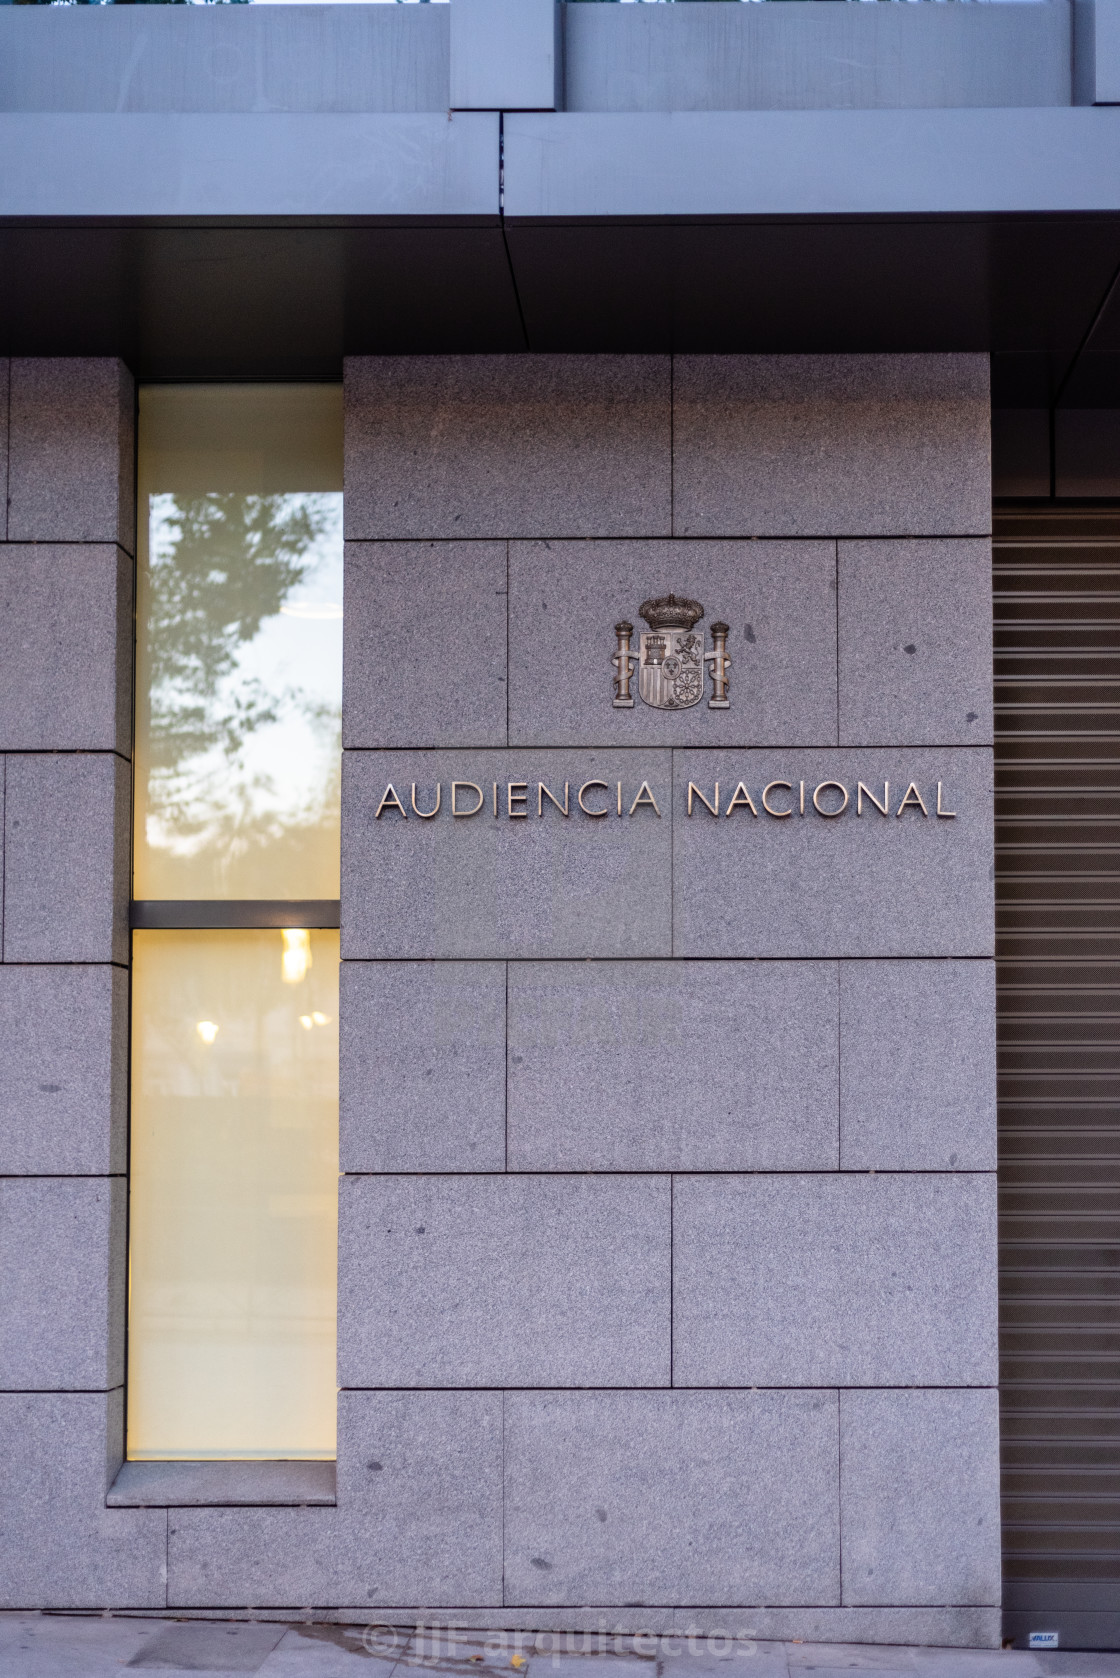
(581, 536)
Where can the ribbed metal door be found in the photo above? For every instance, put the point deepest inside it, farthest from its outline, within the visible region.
(1057, 627)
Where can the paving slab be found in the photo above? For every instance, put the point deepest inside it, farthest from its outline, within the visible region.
(70, 1645)
(208, 1646)
(98, 1645)
(317, 1651)
(841, 1657)
(991, 1663)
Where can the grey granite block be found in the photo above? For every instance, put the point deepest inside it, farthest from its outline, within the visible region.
(503, 1281)
(63, 1259)
(918, 1066)
(834, 1281)
(915, 633)
(66, 850)
(779, 599)
(507, 445)
(834, 885)
(672, 1066)
(422, 1066)
(64, 1072)
(147, 1485)
(696, 1497)
(919, 1495)
(65, 648)
(484, 887)
(254, 1557)
(831, 445)
(419, 1517)
(71, 451)
(62, 1548)
(425, 644)
(420, 1487)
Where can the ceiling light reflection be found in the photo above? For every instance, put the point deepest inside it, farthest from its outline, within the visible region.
(297, 955)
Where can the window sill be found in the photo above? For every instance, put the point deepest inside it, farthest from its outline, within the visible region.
(185, 1485)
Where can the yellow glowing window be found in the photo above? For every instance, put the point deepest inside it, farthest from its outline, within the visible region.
(234, 1151)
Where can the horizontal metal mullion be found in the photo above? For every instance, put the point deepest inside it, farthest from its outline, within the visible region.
(157, 915)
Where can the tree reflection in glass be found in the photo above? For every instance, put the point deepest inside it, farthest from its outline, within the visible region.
(239, 678)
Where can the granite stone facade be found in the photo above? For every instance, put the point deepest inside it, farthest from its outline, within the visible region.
(667, 1242)
(66, 584)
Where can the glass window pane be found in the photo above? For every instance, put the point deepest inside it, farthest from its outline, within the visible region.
(239, 642)
(234, 1194)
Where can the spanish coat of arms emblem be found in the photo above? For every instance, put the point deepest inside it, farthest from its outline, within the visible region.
(671, 660)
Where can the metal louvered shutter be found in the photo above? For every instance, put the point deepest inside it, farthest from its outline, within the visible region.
(1057, 685)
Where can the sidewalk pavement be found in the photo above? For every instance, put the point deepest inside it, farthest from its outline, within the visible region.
(57, 1645)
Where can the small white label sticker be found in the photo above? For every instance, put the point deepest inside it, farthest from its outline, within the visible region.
(1042, 1640)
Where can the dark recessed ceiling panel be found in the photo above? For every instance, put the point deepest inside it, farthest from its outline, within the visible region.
(1022, 285)
(254, 301)
(269, 299)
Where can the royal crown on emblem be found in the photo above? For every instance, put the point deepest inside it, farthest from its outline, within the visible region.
(671, 611)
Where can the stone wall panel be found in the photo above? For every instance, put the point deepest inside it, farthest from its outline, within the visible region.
(672, 1066)
(831, 445)
(419, 1518)
(685, 1497)
(867, 1280)
(71, 451)
(65, 648)
(919, 1495)
(63, 1259)
(425, 644)
(423, 1066)
(504, 1281)
(66, 833)
(917, 1066)
(64, 1073)
(915, 634)
(62, 1548)
(453, 446)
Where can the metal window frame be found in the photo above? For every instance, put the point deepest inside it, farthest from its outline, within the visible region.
(199, 915)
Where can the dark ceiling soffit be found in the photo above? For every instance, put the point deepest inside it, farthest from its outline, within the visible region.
(195, 299)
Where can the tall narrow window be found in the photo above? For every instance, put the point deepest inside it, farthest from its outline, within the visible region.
(234, 1151)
